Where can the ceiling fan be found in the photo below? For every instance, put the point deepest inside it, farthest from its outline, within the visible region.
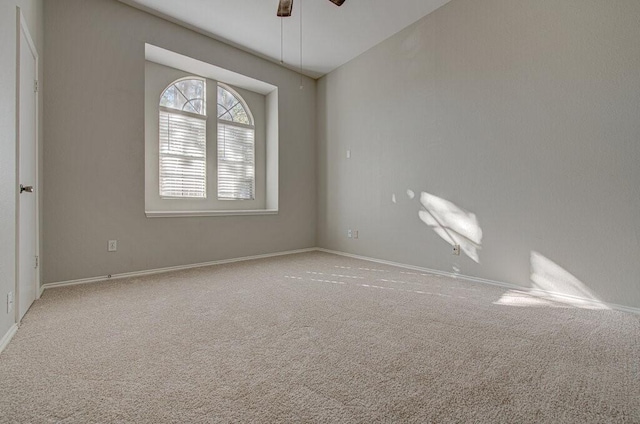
(285, 6)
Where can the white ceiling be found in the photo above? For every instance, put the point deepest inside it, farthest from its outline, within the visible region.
(332, 35)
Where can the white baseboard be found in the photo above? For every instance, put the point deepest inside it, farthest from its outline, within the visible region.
(4, 342)
(169, 269)
(515, 287)
(510, 286)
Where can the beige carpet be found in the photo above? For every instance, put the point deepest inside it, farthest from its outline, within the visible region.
(316, 338)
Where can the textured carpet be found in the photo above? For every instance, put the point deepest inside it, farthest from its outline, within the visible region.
(316, 338)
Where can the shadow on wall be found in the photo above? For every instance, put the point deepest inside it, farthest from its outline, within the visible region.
(452, 223)
(552, 285)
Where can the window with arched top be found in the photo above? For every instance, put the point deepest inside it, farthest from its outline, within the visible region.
(211, 148)
(183, 139)
(231, 107)
(236, 147)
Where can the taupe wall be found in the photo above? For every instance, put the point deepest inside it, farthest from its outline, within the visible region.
(525, 113)
(94, 154)
(33, 13)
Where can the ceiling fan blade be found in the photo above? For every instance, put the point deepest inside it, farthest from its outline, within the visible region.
(337, 2)
(284, 8)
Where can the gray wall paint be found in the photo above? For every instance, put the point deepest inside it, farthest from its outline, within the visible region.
(33, 12)
(94, 155)
(524, 113)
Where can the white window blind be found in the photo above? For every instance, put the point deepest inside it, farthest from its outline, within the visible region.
(236, 164)
(183, 156)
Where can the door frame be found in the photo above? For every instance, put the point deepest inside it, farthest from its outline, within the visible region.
(22, 27)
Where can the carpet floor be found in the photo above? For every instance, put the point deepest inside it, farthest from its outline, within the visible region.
(316, 338)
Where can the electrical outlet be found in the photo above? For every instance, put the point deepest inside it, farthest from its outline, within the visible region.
(355, 234)
(348, 154)
(113, 245)
(350, 233)
(10, 302)
(456, 250)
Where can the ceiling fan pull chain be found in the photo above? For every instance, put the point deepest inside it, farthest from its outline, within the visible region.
(301, 85)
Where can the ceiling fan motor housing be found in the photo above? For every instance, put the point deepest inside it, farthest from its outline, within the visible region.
(285, 6)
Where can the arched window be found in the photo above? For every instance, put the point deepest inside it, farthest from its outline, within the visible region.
(183, 139)
(236, 147)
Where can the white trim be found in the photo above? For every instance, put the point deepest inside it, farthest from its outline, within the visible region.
(171, 269)
(23, 28)
(528, 290)
(193, 66)
(4, 342)
(186, 214)
(178, 111)
(613, 306)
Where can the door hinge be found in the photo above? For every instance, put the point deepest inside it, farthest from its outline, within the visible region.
(36, 87)
(37, 261)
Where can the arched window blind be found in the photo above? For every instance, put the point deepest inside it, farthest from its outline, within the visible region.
(236, 147)
(183, 139)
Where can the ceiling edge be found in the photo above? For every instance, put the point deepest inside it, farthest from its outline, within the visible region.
(150, 11)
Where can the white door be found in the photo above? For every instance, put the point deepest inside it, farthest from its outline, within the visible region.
(27, 166)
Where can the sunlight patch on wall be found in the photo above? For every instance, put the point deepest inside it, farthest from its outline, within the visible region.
(452, 224)
(560, 285)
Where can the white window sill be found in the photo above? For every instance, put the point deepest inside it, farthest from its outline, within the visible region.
(187, 214)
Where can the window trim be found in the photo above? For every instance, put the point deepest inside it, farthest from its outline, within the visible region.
(266, 141)
(217, 212)
(187, 78)
(241, 100)
(251, 126)
(193, 115)
(182, 112)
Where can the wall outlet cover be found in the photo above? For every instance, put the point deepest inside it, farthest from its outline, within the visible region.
(113, 245)
(10, 302)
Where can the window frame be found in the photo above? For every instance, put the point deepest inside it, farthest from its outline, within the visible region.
(251, 126)
(240, 99)
(162, 68)
(203, 117)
